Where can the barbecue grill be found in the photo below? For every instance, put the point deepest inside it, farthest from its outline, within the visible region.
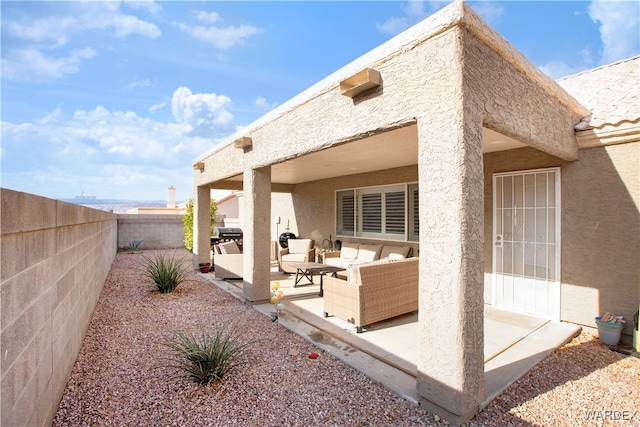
(227, 234)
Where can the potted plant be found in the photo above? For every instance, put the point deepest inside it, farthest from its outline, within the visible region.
(204, 267)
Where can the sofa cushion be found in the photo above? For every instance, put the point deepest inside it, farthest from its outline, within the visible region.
(368, 253)
(334, 261)
(227, 248)
(294, 257)
(353, 270)
(299, 246)
(349, 250)
(395, 252)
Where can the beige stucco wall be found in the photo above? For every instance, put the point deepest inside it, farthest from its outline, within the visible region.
(600, 234)
(55, 258)
(157, 231)
(310, 208)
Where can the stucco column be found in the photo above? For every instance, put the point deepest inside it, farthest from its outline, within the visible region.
(201, 224)
(450, 380)
(256, 234)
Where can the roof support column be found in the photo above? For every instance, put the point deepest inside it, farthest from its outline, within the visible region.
(201, 226)
(450, 378)
(256, 235)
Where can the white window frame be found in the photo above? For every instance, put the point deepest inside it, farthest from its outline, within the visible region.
(409, 234)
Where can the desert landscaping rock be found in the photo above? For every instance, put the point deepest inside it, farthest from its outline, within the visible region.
(121, 377)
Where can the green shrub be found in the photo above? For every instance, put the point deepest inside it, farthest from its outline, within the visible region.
(207, 355)
(187, 222)
(164, 271)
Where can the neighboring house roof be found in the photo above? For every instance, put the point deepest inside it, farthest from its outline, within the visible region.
(226, 199)
(611, 92)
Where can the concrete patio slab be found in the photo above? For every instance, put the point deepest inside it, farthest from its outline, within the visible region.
(386, 351)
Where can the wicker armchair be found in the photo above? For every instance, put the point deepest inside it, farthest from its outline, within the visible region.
(379, 291)
(298, 250)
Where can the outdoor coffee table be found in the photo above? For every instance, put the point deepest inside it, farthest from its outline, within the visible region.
(308, 269)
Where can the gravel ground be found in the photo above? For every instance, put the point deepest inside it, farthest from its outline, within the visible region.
(120, 377)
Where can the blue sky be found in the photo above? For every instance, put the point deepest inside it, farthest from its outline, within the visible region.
(116, 99)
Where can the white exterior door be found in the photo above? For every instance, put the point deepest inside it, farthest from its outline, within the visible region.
(526, 242)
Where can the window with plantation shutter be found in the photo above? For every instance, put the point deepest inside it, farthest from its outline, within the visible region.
(378, 212)
(346, 212)
(394, 212)
(414, 220)
(372, 213)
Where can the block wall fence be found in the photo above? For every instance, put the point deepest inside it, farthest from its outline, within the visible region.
(55, 257)
(156, 231)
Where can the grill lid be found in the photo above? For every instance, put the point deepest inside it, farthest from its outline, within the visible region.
(227, 232)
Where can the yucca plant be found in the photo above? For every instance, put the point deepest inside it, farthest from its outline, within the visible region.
(207, 355)
(164, 271)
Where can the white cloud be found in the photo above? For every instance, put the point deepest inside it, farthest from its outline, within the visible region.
(157, 107)
(148, 5)
(127, 25)
(263, 105)
(33, 46)
(490, 11)
(30, 65)
(77, 18)
(414, 11)
(54, 32)
(140, 83)
(618, 28)
(220, 37)
(209, 17)
(201, 111)
(559, 69)
(99, 148)
(412, 14)
(95, 135)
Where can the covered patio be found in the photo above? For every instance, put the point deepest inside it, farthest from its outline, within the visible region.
(434, 102)
(386, 351)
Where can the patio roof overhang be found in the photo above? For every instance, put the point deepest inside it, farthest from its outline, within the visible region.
(385, 150)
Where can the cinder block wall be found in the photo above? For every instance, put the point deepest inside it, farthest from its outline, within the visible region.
(55, 257)
(157, 231)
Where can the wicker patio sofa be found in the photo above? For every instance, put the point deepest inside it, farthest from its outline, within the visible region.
(378, 291)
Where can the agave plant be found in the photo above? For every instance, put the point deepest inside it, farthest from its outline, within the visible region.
(164, 271)
(208, 354)
(134, 245)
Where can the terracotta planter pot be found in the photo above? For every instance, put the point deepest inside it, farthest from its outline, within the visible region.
(204, 267)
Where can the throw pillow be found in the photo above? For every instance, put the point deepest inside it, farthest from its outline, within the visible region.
(299, 246)
(349, 250)
(368, 253)
(395, 252)
(353, 270)
(228, 248)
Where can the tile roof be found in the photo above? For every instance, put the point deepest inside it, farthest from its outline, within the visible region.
(611, 92)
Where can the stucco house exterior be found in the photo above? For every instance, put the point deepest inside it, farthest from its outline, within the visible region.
(517, 190)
